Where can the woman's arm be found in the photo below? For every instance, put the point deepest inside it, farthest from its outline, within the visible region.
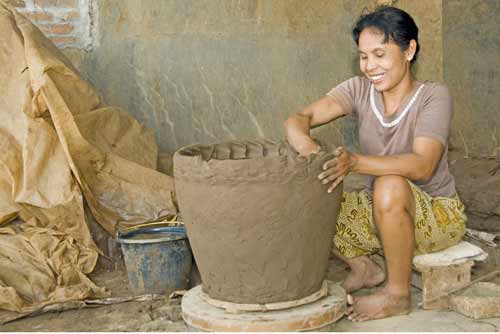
(298, 126)
(418, 165)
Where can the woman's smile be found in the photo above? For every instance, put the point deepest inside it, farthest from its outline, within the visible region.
(376, 78)
(383, 63)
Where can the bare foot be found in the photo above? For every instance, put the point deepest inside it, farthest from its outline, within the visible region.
(381, 304)
(364, 274)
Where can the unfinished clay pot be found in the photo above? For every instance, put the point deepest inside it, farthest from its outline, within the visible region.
(259, 221)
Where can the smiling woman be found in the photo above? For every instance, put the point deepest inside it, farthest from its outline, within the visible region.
(403, 126)
(388, 44)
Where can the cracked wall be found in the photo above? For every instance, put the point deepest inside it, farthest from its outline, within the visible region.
(201, 71)
(471, 37)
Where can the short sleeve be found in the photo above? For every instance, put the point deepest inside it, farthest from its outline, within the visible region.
(434, 119)
(347, 94)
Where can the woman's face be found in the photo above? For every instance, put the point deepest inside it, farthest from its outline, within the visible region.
(383, 63)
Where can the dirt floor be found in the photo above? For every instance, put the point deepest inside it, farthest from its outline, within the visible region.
(165, 315)
(478, 189)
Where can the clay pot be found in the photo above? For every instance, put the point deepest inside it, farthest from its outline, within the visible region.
(259, 221)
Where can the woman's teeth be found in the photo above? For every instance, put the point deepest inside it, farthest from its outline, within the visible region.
(376, 77)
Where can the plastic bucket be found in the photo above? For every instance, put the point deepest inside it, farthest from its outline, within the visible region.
(158, 259)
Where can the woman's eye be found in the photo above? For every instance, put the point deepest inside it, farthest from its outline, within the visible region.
(380, 55)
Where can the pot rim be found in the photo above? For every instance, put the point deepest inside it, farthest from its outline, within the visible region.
(175, 233)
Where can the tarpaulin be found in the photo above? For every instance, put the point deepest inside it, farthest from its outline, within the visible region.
(60, 145)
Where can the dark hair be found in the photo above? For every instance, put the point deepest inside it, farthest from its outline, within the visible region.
(396, 24)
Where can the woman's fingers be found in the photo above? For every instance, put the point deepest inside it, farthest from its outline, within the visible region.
(334, 170)
(332, 177)
(329, 164)
(335, 183)
(338, 151)
(327, 173)
(333, 173)
(336, 178)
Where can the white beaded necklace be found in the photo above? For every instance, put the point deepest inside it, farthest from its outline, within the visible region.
(400, 117)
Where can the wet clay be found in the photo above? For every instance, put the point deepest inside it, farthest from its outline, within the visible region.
(259, 221)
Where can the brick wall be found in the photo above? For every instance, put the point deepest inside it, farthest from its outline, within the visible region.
(68, 23)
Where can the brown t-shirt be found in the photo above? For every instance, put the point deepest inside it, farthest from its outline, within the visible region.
(429, 115)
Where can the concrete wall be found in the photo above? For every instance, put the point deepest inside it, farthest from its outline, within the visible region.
(204, 71)
(471, 38)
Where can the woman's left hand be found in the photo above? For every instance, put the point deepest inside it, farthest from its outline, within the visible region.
(336, 169)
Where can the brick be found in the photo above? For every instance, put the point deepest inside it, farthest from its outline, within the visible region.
(63, 40)
(56, 3)
(39, 16)
(438, 280)
(57, 29)
(73, 16)
(479, 301)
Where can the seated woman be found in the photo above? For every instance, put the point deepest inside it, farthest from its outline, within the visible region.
(410, 206)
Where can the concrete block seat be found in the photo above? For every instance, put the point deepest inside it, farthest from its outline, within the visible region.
(445, 271)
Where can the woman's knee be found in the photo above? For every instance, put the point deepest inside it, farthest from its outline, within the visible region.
(392, 193)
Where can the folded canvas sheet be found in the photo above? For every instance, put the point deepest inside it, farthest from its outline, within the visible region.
(59, 145)
(42, 266)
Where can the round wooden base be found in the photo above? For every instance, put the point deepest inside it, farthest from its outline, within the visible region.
(200, 314)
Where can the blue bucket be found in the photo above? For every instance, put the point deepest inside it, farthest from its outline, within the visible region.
(158, 259)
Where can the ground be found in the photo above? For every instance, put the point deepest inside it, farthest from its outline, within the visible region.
(478, 189)
(165, 315)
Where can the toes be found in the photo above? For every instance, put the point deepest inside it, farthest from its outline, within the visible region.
(353, 317)
(346, 287)
(350, 299)
(358, 317)
(362, 317)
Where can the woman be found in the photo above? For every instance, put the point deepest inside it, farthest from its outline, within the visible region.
(411, 206)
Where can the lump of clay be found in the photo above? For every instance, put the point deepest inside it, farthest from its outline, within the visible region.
(259, 221)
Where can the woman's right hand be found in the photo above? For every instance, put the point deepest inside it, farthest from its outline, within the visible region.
(298, 126)
(297, 131)
(306, 146)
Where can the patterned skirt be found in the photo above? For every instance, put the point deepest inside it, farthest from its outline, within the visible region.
(439, 223)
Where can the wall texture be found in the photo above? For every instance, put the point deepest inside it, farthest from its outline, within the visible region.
(203, 71)
(472, 70)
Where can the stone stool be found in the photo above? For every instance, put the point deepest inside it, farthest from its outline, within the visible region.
(445, 271)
